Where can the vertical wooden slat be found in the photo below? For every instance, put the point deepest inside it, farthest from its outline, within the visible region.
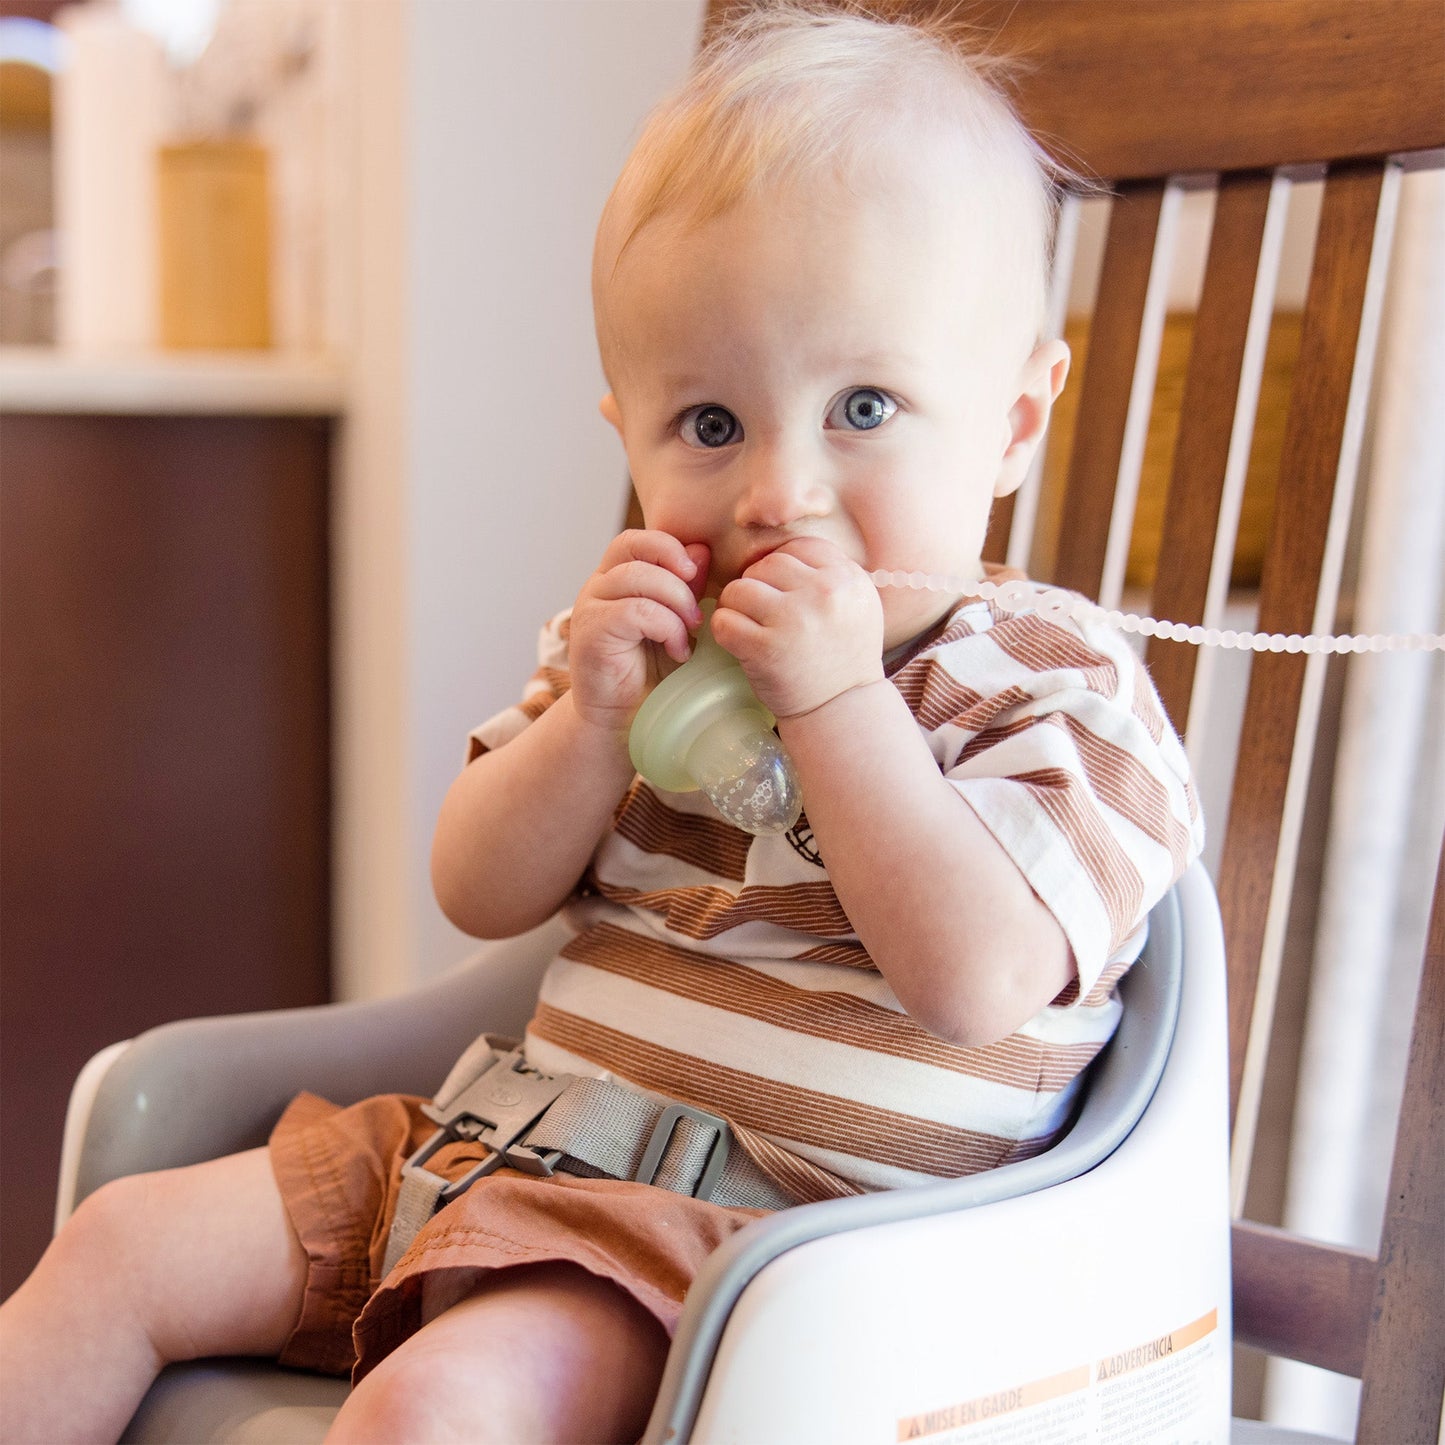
(1108, 385)
(1403, 1382)
(1215, 388)
(1000, 528)
(1323, 402)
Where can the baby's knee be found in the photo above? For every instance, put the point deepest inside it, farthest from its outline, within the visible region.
(109, 1224)
(106, 1254)
(427, 1395)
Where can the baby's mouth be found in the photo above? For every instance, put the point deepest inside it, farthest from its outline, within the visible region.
(756, 556)
(720, 576)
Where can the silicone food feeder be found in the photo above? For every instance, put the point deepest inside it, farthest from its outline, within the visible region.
(703, 727)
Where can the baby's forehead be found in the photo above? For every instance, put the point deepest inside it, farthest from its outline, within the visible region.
(919, 211)
(902, 294)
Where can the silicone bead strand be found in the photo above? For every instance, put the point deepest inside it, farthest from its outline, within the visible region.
(1056, 604)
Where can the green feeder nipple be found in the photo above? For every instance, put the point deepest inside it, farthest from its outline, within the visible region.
(703, 727)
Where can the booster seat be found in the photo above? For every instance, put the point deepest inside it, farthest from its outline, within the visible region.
(913, 1314)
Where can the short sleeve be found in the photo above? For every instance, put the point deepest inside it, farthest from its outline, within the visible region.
(546, 685)
(1053, 734)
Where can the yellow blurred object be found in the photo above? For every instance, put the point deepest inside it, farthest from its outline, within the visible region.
(215, 241)
(24, 96)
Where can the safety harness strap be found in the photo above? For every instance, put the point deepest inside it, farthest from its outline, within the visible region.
(539, 1123)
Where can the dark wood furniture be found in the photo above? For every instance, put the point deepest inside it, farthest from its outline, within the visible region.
(164, 747)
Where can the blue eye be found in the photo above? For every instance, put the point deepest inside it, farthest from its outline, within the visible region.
(861, 410)
(709, 426)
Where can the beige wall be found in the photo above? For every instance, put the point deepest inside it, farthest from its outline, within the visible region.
(479, 485)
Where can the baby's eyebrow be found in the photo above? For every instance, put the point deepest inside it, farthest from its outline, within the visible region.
(686, 381)
(882, 361)
(857, 366)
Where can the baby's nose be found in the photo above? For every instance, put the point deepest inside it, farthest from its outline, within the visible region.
(781, 487)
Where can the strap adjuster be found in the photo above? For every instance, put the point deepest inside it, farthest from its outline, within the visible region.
(661, 1137)
(496, 1109)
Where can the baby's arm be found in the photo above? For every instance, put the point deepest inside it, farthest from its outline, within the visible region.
(517, 828)
(944, 912)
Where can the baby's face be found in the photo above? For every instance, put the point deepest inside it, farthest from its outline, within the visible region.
(811, 365)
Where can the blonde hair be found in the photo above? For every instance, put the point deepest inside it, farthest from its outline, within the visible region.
(790, 90)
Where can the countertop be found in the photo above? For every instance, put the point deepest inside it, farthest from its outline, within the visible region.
(44, 379)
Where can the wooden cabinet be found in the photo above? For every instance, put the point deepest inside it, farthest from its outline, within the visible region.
(164, 747)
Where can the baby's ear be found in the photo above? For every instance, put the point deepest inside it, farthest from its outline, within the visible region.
(611, 413)
(1040, 382)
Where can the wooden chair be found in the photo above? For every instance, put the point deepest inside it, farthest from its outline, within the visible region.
(1152, 97)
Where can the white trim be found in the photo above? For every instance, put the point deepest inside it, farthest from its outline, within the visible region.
(77, 1121)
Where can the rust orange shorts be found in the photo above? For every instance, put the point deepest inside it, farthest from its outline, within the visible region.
(339, 1171)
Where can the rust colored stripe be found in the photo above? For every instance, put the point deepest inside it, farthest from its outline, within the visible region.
(846, 955)
(1043, 647)
(1146, 707)
(1124, 784)
(701, 842)
(862, 1131)
(992, 736)
(1107, 982)
(704, 912)
(1018, 1062)
(1114, 877)
(807, 1182)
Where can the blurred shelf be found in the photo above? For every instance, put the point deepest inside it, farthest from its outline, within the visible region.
(41, 379)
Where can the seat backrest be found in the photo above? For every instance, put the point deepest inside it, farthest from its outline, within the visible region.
(1154, 100)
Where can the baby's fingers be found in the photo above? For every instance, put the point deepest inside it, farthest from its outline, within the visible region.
(645, 580)
(660, 549)
(645, 619)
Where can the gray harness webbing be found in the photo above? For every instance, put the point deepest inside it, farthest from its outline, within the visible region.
(540, 1123)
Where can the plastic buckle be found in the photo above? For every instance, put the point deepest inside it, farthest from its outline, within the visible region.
(661, 1137)
(495, 1109)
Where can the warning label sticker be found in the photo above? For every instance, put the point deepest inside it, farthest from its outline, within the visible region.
(1156, 1390)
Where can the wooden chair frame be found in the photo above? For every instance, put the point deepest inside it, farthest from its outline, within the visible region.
(1148, 97)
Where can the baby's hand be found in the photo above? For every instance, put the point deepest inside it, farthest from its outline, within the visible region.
(806, 624)
(644, 592)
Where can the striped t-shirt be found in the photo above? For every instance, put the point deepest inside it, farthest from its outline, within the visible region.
(719, 969)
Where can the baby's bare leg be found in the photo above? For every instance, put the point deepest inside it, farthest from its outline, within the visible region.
(540, 1353)
(153, 1268)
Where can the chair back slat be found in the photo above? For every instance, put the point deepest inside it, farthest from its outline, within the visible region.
(1221, 389)
(1297, 593)
(1134, 89)
(1118, 380)
(1401, 1399)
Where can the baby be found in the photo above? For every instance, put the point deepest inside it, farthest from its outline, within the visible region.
(819, 290)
